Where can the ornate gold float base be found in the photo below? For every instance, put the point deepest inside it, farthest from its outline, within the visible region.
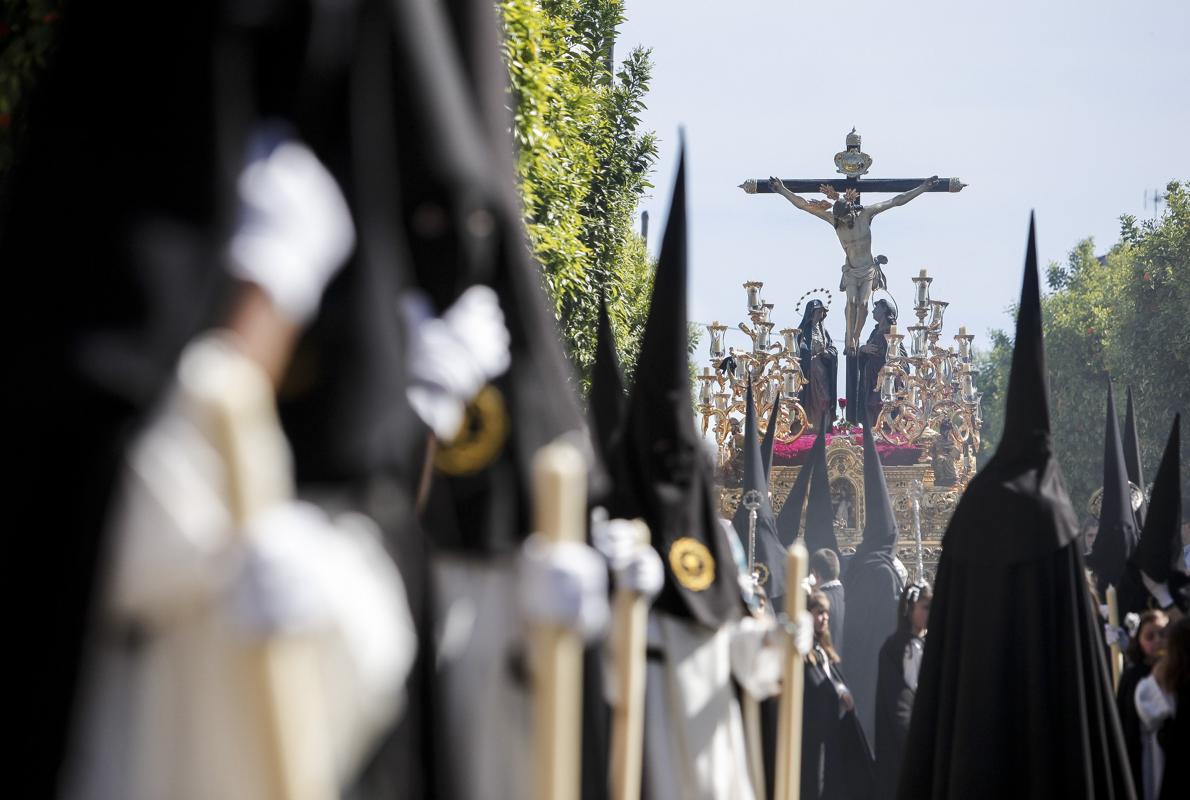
(845, 466)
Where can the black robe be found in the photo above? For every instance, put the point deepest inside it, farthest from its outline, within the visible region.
(870, 365)
(1174, 738)
(1014, 698)
(894, 708)
(836, 758)
(873, 591)
(1126, 706)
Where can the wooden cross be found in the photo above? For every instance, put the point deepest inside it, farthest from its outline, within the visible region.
(852, 163)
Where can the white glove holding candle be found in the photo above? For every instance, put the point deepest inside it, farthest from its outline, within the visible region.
(294, 230)
(563, 583)
(756, 656)
(635, 566)
(451, 357)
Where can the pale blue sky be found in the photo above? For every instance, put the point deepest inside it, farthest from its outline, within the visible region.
(1073, 109)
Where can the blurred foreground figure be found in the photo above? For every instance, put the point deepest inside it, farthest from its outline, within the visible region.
(699, 639)
(124, 223)
(170, 709)
(1014, 698)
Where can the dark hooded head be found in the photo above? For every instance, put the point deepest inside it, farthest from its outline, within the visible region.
(820, 514)
(880, 524)
(1017, 507)
(1160, 545)
(1116, 537)
(1132, 456)
(607, 401)
(666, 474)
(770, 555)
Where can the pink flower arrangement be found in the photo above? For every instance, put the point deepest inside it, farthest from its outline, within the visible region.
(797, 450)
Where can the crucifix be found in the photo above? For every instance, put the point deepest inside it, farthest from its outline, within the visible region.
(853, 225)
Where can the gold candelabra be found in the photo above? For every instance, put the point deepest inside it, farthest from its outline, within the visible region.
(774, 367)
(929, 392)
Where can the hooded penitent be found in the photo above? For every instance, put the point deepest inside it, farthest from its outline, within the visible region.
(1014, 698)
(607, 394)
(770, 555)
(1160, 546)
(665, 473)
(770, 436)
(1132, 457)
(820, 514)
(111, 244)
(1117, 534)
(789, 521)
(464, 227)
(873, 589)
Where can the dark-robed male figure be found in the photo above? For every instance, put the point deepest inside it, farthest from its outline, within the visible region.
(1014, 698)
(873, 355)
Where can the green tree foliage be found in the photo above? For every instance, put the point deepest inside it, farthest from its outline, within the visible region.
(1125, 315)
(583, 164)
(28, 32)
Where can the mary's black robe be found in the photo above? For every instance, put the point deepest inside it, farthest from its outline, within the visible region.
(820, 370)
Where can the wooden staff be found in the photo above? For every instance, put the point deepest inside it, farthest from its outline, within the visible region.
(560, 494)
(789, 718)
(630, 615)
(753, 742)
(1113, 619)
(283, 670)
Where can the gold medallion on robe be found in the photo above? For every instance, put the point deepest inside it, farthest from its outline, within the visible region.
(692, 564)
(480, 438)
(761, 571)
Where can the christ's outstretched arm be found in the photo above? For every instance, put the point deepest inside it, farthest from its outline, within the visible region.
(823, 214)
(902, 199)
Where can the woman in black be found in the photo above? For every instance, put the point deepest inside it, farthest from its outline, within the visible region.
(896, 684)
(1143, 650)
(836, 759)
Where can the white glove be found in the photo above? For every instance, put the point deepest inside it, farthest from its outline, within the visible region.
(1160, 591)
(294, 229)
(801, 633)
(452, 357)
(1113, 635)
(563, 583)
(636, 567)
(756, 656)
(280, 584)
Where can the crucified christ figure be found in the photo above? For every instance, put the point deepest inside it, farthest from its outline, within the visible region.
(853, 225)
